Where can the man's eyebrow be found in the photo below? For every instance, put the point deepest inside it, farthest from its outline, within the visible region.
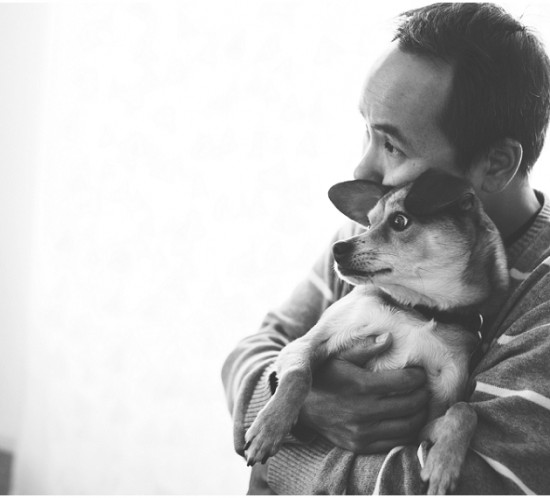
(387, 128)
(393, 131)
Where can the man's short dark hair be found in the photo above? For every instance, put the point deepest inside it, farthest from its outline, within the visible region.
(501, 84)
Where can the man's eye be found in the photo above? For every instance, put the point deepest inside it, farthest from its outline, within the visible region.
(400, 222)
(390, 148)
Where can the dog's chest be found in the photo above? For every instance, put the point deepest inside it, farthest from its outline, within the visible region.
(414, 343)
(441, 349)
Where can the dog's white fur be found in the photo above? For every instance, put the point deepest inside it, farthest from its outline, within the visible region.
(452, 260)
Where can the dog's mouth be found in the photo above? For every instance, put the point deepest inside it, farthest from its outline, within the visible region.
(353, 272)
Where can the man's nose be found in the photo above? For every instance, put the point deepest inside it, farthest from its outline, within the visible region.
(367, 169)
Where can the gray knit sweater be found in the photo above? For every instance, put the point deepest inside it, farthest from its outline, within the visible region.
(510, 452)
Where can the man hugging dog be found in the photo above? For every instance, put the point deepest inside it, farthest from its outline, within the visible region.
(463, 89)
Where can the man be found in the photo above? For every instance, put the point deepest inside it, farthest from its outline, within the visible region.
(463, 88)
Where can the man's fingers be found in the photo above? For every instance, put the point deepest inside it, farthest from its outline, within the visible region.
(366, 408)
(402, 405)
(342, 376)
(380, 436)
(393, 382)
(385, 383)
(351, 407)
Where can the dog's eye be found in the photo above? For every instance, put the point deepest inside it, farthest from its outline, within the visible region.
(399, 222)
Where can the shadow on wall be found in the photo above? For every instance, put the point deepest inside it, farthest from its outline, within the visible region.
(6, 460)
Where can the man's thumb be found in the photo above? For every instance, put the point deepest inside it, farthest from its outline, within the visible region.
(367, 348)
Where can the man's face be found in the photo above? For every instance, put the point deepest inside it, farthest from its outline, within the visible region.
(402, 100)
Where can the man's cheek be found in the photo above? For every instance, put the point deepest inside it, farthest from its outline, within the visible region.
(404, 174)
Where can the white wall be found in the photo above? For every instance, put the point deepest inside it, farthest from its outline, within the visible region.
(23, 32)
(180, 191)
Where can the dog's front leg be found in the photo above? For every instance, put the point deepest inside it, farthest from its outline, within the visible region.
(336, 331)
(294, 372)
(450, 435)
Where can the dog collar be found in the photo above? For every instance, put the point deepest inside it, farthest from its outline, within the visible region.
(471, 321)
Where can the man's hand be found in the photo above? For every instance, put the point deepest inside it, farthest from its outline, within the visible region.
(362, 411)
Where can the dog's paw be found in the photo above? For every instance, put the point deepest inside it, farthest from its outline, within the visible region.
(442, 470)
(264, 438)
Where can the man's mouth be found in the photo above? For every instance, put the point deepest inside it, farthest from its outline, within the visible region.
(353, 272)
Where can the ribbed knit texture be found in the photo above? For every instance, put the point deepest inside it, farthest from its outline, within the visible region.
(510, 452)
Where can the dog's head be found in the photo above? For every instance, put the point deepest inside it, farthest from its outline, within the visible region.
(428, 242)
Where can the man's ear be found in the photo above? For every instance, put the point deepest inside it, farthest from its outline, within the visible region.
(356, 198)
(497, 168)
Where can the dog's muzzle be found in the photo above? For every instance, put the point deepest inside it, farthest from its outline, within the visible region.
(345, 256)
(341, 251)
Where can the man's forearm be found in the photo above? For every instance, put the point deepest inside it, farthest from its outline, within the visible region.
(244, 373)
(316, 468)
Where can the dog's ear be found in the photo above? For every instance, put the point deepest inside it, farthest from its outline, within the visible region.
(356, 198)
(434, 191)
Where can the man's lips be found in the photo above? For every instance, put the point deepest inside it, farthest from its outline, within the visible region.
(353, 272)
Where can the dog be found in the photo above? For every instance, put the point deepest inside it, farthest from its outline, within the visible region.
(429, 266)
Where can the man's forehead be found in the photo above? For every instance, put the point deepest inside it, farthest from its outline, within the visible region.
(398, 78)
(378, 65)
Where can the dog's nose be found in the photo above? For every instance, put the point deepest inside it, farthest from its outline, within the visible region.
(341, 249)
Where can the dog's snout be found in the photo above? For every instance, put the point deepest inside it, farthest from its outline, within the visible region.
(341, 249)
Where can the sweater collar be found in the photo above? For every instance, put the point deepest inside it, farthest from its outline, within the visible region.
(538, 229)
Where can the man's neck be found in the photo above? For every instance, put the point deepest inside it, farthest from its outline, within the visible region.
(513, 207)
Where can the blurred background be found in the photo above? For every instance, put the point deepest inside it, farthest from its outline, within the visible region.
(163, 177)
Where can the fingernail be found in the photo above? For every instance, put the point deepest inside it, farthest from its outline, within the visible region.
(381, 338)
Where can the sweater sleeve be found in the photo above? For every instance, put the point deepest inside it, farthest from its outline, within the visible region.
(246, 370)
(510, 451)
